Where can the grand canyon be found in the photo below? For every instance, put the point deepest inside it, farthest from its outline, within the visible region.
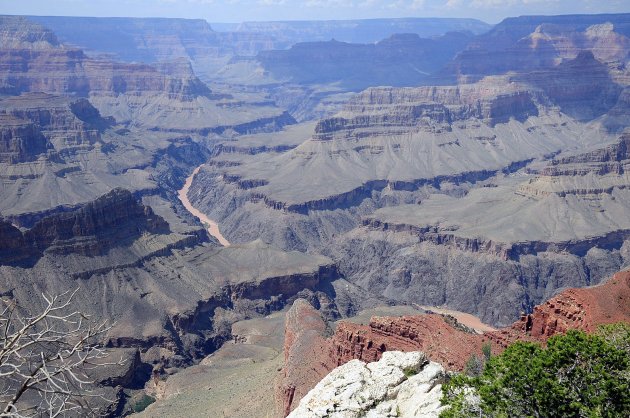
(249, 207)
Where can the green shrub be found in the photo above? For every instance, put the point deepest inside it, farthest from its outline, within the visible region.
(576, 375)
(409, 371)
(142, 403)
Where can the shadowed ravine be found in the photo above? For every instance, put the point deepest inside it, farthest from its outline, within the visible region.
(212, 226)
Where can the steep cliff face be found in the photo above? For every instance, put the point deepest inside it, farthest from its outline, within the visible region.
(32, 60)
(67, 71)
(583, 309)
(304, 338)
(153, 40)
(20, 140)
(13, 246)
(111, 220)
(582, 87)
(108, 221)
(396, 111)
(535, 42)
(46, 122)
(430, 334)
(135, 39)
(18, 32)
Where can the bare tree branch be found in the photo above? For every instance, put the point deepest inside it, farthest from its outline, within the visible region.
(45, 358)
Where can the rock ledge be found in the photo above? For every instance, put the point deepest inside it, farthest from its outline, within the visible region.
(398, 385)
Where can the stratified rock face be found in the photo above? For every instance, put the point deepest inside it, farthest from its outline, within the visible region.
(135, 39)
(108, 221)
(153, 40)
(385, 110)
(32, 60)
(20, 140)
(70, 71)
(582, 87)
(535, 42)
(431, 334)
(445, 342)
(612, 159)
(111, 220)
(398, 385)
(39, 122)
(17, 32)
(583, 309)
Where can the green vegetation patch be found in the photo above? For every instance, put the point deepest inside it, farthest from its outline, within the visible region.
(576, 375)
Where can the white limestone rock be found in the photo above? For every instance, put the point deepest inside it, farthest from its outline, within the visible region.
(398, 385)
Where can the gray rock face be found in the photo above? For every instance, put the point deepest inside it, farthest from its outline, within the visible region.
(20, 32)
(398, 385)
(20, 140)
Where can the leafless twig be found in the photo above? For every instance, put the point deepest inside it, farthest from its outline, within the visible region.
(45, 358)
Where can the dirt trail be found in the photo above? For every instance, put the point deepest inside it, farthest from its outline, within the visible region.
(464, 318)
(213, 227)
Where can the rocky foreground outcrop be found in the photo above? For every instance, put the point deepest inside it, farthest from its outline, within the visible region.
(398, 385)
(441, 338)
(304, 338)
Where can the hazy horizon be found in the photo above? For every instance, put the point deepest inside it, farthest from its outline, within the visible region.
(235, 11)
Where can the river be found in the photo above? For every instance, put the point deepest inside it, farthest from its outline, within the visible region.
(212, 226)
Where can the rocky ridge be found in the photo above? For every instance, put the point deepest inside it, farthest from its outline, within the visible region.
(535, 42)
(362, 31)
(444, 340)
(165, 95)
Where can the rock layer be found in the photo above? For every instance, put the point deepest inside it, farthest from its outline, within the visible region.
(94, 229)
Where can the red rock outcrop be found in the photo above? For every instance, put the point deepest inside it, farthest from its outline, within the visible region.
(434, 334)
(584, 309)
(306, 358)
(430, 334)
